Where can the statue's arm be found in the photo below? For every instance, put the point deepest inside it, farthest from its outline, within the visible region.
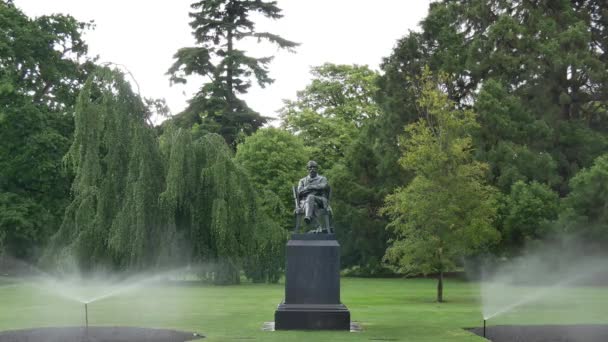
(320, 185)
(301, 187)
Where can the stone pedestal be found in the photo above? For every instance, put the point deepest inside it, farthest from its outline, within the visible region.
(312, 285)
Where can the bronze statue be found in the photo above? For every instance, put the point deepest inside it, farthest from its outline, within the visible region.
(312, 199)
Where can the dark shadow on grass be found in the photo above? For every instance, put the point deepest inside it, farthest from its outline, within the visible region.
(106, 334)
(544, 333)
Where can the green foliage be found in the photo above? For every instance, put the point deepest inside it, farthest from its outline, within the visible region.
(585, 210)
(447, 210)
(108, 117)
(512, 140)
(275, 160)
(329, 112)
(44, 57)
(534, 72)
(526, 213)
(43, 66)
(218, 25)
(265, 261)
(359, 226)
(333, 115)
(141, 201)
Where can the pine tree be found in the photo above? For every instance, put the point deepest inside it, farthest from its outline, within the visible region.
(218, 26)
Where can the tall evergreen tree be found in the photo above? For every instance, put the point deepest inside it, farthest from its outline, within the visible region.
(218, 26)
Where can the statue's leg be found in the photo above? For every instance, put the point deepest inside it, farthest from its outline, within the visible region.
(327, 227)
(309, 208)
(318, 204)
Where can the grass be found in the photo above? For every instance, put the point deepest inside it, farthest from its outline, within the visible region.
(388, 310)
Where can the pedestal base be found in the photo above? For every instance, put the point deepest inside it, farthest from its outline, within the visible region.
(312, 317)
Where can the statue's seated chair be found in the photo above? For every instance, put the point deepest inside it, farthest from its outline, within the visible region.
(322, 221)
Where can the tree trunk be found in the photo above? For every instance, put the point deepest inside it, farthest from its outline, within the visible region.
(440, 286)
(229, 65)
(440, 274)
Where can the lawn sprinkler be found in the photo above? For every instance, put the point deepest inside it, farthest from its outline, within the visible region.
(484, 327)
(86, 320)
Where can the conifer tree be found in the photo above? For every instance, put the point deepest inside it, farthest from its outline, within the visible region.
(218, 26)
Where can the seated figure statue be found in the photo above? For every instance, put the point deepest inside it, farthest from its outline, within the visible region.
(312, 198)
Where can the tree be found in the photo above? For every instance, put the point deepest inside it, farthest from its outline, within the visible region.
(446, 211)
(535, 72)
(329, 112)
(44, 66)
(143, 201)
(218, 25)
(512, 140)
(275, 160)
(112, 217)
(334, 115)
(526, 214)
(584, 212)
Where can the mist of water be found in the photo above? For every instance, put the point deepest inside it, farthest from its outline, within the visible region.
(548, 276)
(95, 287)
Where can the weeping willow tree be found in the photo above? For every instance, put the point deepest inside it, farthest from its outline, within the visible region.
(142, 201)
(113, 216)
(209, 205)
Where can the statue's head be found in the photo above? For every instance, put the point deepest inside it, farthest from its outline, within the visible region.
(312, 168)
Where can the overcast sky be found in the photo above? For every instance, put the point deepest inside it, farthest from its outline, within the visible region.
(143, 35)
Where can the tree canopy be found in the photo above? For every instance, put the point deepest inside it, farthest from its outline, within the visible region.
(329, 112)
(447, 210)
(143, 201)
(504, 105)
(533, 72)
(43, 66)
(218, 26)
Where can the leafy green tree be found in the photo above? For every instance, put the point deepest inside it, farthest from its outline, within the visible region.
(275, 160)
(535, 72)
(526, 214)
(43, 66)
(356, 202)
(447, 210)
(329, 112)
(334, 115)
(116, 171)
(218, 26)
(550, 57)
(585, 210)
(143, 201)
(512, 140)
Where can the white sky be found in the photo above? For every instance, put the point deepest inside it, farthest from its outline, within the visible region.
(143, 35)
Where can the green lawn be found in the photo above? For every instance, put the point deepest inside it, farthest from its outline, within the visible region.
(388, 309)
